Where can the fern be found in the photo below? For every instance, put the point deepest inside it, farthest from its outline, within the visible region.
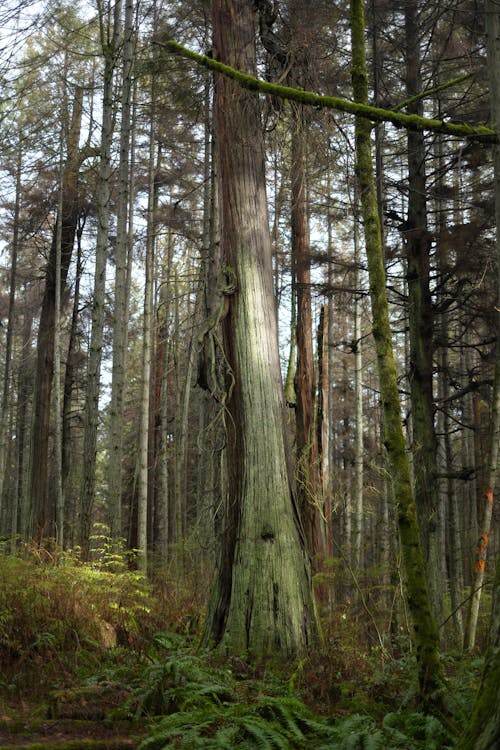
(268, 724)
(414, 730)
(408, 730)
(355, 733)
(179, 683)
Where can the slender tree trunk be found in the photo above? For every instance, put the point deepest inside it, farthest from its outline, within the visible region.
(492, 670)
(24, 388)
(323, 431)
(42, 514)
(425, 629)
(120, 317)
(307, 448)
(109, 43)
(420, 318)
(358, 534)
(6, 390)
(483, 732)
(67, 439)
(262, 603)
(147, 350)
(57, 415)
(162, 496)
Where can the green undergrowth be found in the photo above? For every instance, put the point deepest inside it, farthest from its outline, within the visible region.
(97, 640)
(61, 619)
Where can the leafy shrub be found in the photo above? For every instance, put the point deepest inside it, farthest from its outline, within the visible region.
(56, 615)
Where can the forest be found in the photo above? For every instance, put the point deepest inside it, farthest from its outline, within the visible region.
(249, 374)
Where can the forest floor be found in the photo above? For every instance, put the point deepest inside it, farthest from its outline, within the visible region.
(93, 659)
(25, 726)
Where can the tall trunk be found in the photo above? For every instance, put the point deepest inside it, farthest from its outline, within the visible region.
(68, 401)
(147, 349)
(425, 629)
(307, 448)
(42, 512)
(120, 317)
(323, 429)
(358, 401)
(24, 388)
(109, 43)
(262, 602)
(57, 411)
(162, 362)
(6, 391)
(492, 670)
(420, 318)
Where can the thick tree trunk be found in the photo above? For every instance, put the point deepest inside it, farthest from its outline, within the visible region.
(42, 520)
(425, 630)
(262, 603)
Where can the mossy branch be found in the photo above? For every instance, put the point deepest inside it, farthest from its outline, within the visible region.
(375, 114)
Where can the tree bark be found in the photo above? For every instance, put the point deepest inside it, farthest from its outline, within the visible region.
(42, 513)
(120, 313)
(109, 45)
(262, 603)
(425, 630)
(147, 350)
(305, 386)
(6, 391)
(483, 732)
(420, 319)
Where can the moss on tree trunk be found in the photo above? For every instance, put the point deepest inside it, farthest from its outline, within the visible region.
(425, 630)
(262, 604)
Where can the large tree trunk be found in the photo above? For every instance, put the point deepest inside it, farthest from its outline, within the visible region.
(42, 503)
(425, 630)
(262, 603)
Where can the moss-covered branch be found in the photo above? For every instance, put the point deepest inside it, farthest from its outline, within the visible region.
(375, 114)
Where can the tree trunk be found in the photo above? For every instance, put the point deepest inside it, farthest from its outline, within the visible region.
(42, 513)
(120, 314)
(262, 603)
(67, 445)
(6, 391)
(425, 630)
(420, 319)
(91, 418)
(307, 448)
(483, 732)
(358, 530)
(147, 350)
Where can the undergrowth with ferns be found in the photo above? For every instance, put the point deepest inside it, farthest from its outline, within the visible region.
(64, 623)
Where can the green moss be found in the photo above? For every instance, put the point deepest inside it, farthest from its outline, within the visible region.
(426, 633)
(376, 114)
